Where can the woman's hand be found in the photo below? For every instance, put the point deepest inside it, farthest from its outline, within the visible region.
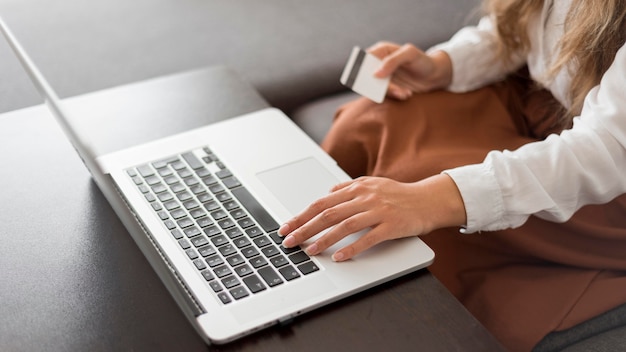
(390, 209)
(411, 70)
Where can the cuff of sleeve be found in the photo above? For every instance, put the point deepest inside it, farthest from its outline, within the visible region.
(481, 196)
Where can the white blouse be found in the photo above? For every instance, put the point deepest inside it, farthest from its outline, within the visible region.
(555, 177)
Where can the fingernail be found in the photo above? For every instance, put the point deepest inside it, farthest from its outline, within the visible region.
(338, 256)
(284, 228)
(289, 242)
(312, 249)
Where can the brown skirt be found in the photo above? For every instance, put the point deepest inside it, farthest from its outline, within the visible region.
(520, 283)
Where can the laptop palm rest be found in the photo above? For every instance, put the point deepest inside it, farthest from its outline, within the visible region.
(299, 183)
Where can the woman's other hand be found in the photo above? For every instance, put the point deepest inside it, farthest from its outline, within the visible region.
(411, 70)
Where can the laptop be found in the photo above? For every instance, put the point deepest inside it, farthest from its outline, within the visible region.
(204, 206)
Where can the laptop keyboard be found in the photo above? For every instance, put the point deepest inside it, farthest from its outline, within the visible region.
(223, 230)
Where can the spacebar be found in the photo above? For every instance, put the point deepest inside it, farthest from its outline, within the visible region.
(255, 209)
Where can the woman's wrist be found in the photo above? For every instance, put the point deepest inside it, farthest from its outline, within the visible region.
(446, 202)
(442, 73)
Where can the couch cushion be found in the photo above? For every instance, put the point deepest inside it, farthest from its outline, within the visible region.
(316, 117)
(292, 51)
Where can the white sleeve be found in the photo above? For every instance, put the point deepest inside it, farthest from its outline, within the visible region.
(473, 52)
(555, 177)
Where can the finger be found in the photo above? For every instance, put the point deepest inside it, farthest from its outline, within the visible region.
(368, 240)
(401, 56)
(319, 216)
(397, 92)
(382, 49)
(348, 226)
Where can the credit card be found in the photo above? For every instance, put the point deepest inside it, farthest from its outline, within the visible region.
(358, 75)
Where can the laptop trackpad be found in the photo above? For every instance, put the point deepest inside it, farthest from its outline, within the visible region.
(298, 184)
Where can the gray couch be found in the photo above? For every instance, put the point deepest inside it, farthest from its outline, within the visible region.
(291, 51)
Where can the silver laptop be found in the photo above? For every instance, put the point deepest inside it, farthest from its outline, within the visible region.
(205, 214)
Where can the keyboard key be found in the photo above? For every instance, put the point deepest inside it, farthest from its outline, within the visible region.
(215, 286)
(209, 180)
(219, 214)
(223, 173)
(199, 264)
(276, 238)
(178, 214)
(230, 281)
(231, 205)
(212, 231)
(214, 261)
(185, 222)
(177, 234)
(192, 231)
(159, 187)
(152, 180)
(262, 241)
(235, 260)
(241, 242)
(199, 241)
(237, 213)
(226, 223)
(211, 205)
(270, 251)
(208, 275)
(183, 196)
(289, 250)
(206, 251)
(239, 292)
(219, 240)
(223, 296)
(191, 181)
(197, 213)
(170, 224)
(216, 188)
(191, 204)
(145, 170)
(254, 207)
(269, 276)
(245, 223)
(191, 253)
(184, 173)
(205, 197)
(165, 197)
(308, 268)
(243, 270)
(289, 272)
(222, 271)
(299, 257)
(223, 197)
(178, 165)
(192, 160)
(233, 232)
(171, 205)
(253, 283)
(258, 262)
(227, 250)
(279, 261)
(254, 231)
(165, 172)
(204, 222)
(231, 182)
(184, 244)
(249, 252)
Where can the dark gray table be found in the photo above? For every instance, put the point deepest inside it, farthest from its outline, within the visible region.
(74, 280)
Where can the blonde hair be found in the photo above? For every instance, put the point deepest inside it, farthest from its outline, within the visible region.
(594, 31)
